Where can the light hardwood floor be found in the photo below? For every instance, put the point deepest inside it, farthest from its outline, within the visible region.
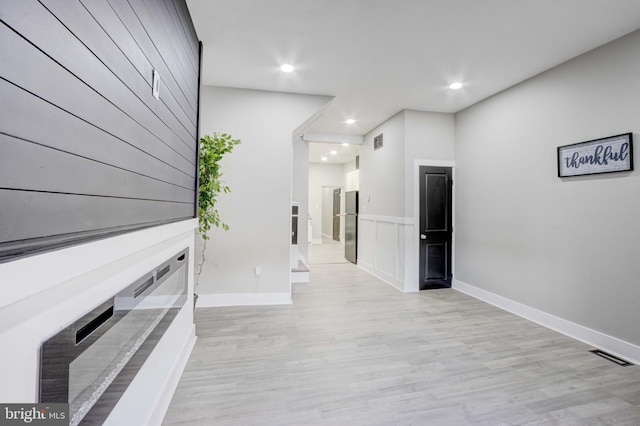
(351, 350)
(328, 252)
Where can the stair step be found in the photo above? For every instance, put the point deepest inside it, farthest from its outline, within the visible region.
(301, 267)
(300, 274)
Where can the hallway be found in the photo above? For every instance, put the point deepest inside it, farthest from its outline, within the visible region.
(352, 350)
(328, 252)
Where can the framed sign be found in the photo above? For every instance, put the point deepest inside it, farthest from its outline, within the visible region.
(377, 142)
(606, 155)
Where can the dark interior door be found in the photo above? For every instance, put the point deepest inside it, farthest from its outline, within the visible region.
(435, 227)
(336, 214)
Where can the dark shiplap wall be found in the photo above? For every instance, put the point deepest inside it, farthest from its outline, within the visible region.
(84, 146)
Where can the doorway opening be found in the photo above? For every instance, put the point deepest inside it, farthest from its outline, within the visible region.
(331, 169)
(330, 249)
(335, 216)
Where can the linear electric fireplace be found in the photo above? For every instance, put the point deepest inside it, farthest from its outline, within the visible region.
(90, 363)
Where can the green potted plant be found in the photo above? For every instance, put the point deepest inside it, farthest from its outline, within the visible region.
(212, 149)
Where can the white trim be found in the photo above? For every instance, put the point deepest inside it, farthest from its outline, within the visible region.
(390, 219)
(78, 278)
(410, 269)
(333, 138)
(316, 241)
(162, 405)
(613, 345)
(386, 278)
(71, 262)
(416, 213)
(434, 163)
(243, 299)
(298, 132)
(147, 398)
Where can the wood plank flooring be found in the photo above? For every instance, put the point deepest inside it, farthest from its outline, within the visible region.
(351, 350)
(328, 252)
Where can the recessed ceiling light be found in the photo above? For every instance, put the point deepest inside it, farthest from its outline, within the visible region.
(287, 68)
(345, 144)
(350, 121)
(455, 86)
(324, 158)
(334, 152)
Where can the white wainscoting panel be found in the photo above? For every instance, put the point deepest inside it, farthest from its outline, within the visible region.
(384, 249)
(387, 249)
(366, 242)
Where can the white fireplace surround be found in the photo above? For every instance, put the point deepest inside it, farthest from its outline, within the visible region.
(44, 293)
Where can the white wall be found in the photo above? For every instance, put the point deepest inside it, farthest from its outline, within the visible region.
(258, 208)
(327, 212)
(51, 290)
(427, 136)
(349, 166)
(322, 176)
(382, 171)
(388, 239)
(429, 140)
(566, 247)
(300, 194)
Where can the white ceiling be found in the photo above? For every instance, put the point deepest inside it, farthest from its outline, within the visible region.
(343, 154)
(378, 57)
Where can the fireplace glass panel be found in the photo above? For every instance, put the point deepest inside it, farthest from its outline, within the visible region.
(90, 363)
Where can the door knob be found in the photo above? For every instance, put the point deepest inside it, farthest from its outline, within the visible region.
(423, 237)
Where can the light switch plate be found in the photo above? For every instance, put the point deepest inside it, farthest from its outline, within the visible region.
(155, 86)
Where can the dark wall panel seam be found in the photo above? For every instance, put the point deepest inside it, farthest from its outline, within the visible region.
(181, 13)
(101, 146)
(97, 127)
(188, 114)
(162, 57)
(91, 159)
(184, 41)
(95, 195)
(191, 161)
(125, 84)
(158, 15)
(86, 152)
(162, 98)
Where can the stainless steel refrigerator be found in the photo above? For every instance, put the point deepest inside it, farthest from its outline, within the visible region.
(351, 226)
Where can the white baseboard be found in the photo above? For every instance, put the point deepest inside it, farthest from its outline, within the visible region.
(388, 279)
(174, 378)
(612, 345)
(316, 241)
(243, 299)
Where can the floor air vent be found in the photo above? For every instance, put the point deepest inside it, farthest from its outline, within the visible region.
(611, 358)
